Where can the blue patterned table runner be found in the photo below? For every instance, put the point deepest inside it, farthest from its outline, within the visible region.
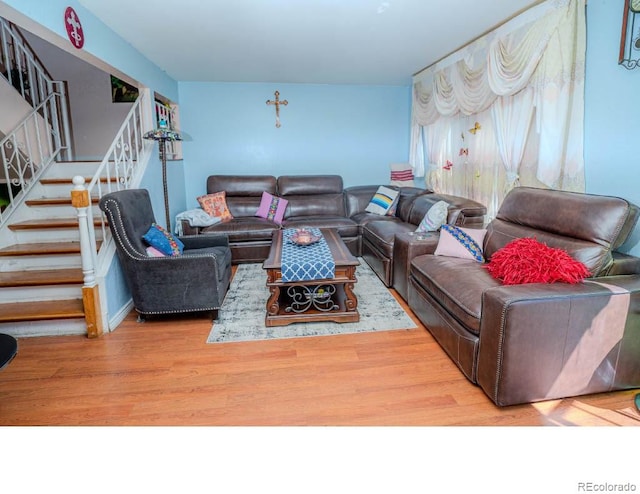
(308, 262)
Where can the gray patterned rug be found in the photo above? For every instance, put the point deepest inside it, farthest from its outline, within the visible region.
(241, 317)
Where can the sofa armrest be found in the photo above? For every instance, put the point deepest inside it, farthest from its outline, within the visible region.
(547, 341)
(187, 229)
(406, 247)
(205, 240)
(624, 264)
(175, 283)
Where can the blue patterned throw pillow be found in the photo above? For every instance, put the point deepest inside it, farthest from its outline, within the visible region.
(162, 240)
(465, 243)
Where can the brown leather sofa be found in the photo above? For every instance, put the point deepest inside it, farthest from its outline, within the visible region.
(321, 201)
(532, 342)
(379, 235)
(314, 201)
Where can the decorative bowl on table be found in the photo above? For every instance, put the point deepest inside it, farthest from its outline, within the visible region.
(304, 237)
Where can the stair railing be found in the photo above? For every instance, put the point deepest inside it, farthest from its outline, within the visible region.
(42, 136)
(121, 168)
(28, 150)
(24, 70)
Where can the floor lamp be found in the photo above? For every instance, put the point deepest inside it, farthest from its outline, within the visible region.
(163, 134)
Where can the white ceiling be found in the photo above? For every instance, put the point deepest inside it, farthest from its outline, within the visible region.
(300, 41)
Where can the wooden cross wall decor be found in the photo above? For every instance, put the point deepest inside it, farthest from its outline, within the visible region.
(277, 104)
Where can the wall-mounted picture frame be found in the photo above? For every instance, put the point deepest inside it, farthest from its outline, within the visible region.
(122, 92)
(629, 56)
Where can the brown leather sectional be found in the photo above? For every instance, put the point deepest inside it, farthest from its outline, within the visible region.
(321, 201)
(519, 343)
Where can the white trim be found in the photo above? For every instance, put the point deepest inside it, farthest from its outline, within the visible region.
(120, 316)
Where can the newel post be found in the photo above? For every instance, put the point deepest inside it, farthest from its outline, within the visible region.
(90, 294)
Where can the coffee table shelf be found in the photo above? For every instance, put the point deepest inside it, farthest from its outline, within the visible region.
(285, 307)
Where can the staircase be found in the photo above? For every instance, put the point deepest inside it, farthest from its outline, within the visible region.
(51, 272)
(41, 276)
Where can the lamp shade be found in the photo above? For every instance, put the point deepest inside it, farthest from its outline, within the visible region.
(162, 133)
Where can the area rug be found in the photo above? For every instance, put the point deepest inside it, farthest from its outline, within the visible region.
(241, 317)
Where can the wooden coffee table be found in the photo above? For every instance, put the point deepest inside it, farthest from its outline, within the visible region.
(313, 300)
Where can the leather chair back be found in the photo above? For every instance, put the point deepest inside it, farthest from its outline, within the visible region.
(312, 195)
(243, 192)
(589, 227)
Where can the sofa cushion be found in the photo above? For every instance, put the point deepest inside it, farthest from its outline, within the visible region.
(382, 234)
(344, 226)
(296, 185)
(162, 240)
(243, 192)
(461, 211)
(382, 201)
(526, 260)
(318, 205)
(216, 205)
(222, 256)
(589, 227)
(458, 284)
(435, 218)
(465, 243)
(153, 252)
(272, 208)
(244, 229)
(242, 185)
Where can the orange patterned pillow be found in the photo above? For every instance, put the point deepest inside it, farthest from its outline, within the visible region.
(216, 205)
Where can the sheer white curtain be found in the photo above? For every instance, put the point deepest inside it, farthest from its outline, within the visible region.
(529, 70)
(512, 119)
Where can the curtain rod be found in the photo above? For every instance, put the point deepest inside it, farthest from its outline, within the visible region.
(497, 26)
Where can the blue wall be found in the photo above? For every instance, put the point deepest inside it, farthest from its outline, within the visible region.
(100, 41)
(612, 111)
(353, 131)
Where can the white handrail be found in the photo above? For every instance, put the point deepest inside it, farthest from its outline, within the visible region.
(25, 72)
(44, 135)
(28, 150)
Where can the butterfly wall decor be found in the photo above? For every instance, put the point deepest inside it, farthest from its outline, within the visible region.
(464, 152)
(476, 128)
(448, 166)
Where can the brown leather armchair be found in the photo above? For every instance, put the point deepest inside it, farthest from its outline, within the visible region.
(532, 342)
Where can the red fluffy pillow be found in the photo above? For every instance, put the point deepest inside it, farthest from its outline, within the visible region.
(526, 260)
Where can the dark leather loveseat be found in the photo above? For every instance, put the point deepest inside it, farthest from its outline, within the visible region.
(321, 201)
(531, 342)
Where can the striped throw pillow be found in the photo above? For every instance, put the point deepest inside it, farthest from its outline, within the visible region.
(401, 175)
(382, 200)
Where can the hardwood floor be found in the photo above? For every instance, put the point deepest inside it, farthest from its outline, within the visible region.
(163, 373)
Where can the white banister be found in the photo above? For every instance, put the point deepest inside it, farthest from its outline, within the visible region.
(27, 151)
(80, 200)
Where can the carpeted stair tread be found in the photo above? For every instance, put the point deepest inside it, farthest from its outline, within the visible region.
(41, 310)
(43, 224)
(42, 249)
(41, 277)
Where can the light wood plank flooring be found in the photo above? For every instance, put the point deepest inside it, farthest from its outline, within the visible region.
(163, 373)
